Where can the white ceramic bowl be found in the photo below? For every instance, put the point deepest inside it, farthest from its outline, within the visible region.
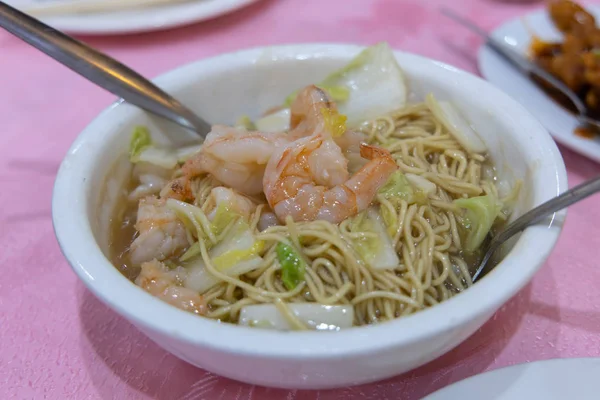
(249, 82)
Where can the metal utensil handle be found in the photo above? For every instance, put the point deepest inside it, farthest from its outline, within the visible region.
(540, 212)
(524, 65)
(99, 68)
(536, 215)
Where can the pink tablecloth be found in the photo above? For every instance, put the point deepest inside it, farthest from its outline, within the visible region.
(58, 342)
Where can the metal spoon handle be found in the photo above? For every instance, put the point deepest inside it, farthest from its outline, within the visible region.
(524, 65)
(99, 68)
(538, 214)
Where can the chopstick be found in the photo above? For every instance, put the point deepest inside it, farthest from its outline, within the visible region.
(524, 65)
(516, 59)
(92, 6)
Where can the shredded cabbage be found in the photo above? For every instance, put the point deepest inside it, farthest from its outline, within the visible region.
(314, 316)
(192, 217)
(368, 86)
(196, 221)
(410, 188)
(276, 122)
(245, 122)
(335, 122)
(185, 153)
(200, 280)
(376, 84)
(397, 188)
(223, 217)
(456, 124)
(375, 247)
(423, 185)
(390, 219)
(262, 323)
(337, 94)
(481, 212)
(164, 158)
(292, 265)
(237, 254)
(192, 252)
(233, 257)
(140, 139)
(142, 149)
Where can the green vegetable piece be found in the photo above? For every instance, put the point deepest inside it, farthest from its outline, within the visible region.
(373, 243)
(245, 122)
(367, 247)
(292, 265)
(390, 220)
(337, 94)
(481, 212)
(370, 85)
(140, 139)
(397, 188)
(375, 82)
(234, 257)
(170, 264)
(419, 197)
(192, 252)
(363, 58)
(264, 324)
(223, 217)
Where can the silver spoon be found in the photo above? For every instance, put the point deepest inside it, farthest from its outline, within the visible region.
(537, 215)
(526, 67)
(100, 69)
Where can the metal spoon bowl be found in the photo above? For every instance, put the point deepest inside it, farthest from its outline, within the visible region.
(535, 216)
(100, 69)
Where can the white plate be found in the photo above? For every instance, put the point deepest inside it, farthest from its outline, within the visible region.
(559, 122)
(559, 379)
(142, 20)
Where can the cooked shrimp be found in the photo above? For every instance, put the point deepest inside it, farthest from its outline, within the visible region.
(298, 182)
(309, 118)
(161, 234)
(350, 143)
(235, 157)
(178, 189)
(307, 112)
(161, 282)
(236, 202)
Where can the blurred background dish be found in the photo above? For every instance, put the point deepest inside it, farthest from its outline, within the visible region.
(536, 35)
(555, 379)
(108, 17)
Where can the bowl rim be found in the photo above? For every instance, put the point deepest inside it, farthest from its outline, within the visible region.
(73, 231)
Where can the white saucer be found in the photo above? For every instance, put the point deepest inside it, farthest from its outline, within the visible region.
(142, 20)
(558, 379)
(559, 122)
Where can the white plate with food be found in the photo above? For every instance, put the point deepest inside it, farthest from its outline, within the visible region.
(557, 379)
(325, 238)
(109, 17)
(573, 61)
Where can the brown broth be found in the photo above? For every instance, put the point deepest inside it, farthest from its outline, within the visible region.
(122, 233)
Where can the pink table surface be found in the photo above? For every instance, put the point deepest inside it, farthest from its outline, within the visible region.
(58, 342)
